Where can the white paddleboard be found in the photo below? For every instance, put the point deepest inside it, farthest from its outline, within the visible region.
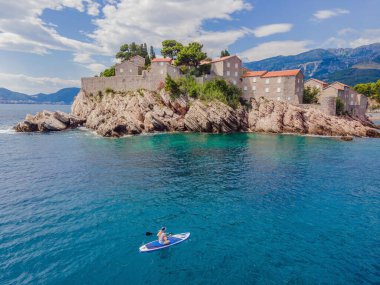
(155, 245)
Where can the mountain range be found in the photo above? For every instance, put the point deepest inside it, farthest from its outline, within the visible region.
(349, 65)
(63, 96)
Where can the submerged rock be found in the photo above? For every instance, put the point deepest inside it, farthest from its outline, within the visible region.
(122, 113)
(47, 121)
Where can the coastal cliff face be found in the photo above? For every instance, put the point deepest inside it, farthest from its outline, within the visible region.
(118, 114)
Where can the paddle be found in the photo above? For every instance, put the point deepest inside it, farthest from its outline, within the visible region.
(149, 234)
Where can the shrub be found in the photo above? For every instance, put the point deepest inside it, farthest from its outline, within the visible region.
(172, 87)
(108, 72)
(310, 95)
(221, 90)
(339, 106)
(189, 86)
(109, 90)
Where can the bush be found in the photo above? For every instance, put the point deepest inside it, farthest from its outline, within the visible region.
(221, 90)
(172, 87)
(215, 90)
(189, 86)
(339, 106)
(109, 90)
(108, 72)
(310, 95)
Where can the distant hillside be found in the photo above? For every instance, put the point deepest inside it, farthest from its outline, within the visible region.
(63, 96)
(350, 66)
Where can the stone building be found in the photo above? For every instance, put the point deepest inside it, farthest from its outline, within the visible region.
(133, 66)
(229, 68)
(354, 102)
(285, 85)
(316, 83)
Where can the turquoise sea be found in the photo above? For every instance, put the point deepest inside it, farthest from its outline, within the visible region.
(261, 209)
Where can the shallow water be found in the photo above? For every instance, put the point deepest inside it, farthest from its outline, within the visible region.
(261, 209)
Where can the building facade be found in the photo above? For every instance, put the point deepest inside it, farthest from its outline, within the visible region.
(286, 85)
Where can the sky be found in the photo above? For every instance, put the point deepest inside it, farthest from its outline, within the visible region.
(46, 45)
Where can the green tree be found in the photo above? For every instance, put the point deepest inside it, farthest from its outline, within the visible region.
(310, 95)
(152, 53)
(129, 50)
(224, 53)
(339, 106)
(170, 48)
(108, 72)
(191, 55)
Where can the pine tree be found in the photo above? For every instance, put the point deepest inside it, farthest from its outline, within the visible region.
(152, 53)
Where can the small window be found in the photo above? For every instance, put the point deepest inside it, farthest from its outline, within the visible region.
(130, 71)
(245, 88)
(279, 80)
(278, 90)
(234, 82)
(161, 71)
(228, 64)
(267, 90)
(228, 73)
(254, 79)
(267, 81)
(236, 74)
(121, 70)
(254, 88)
(236, 65)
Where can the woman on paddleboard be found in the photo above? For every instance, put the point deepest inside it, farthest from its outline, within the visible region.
(162, 238)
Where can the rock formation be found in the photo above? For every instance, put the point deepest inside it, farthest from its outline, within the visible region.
(47, 121)
(118, 114)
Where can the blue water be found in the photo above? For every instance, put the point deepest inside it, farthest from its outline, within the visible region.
(261, 209)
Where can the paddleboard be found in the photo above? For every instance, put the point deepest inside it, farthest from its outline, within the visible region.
(155, 245)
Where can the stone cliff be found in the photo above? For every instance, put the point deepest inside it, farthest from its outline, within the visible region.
(118, 114)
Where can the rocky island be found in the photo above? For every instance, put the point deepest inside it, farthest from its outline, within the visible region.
(116, 114)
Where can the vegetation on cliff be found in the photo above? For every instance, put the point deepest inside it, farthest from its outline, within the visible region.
(310, 95)
(371, 89)
(214, 90)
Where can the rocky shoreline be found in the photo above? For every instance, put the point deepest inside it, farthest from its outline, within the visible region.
(119, 114)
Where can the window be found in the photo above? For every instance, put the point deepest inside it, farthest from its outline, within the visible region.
(228, 73)
(161, 71)
(121, 70)
(228, 64)
(278, 90)
(245, 88)
(236, 74)
(254, 88)
(234, 82)
(279, 80)
(236, 65)
(267, 90)
(130, 71)
(254, 79)
(267, 81)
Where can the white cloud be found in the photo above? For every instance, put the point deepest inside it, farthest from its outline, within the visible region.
(326, 14)
(268, 30)
(32, 85)
(274, 48)
(145, 21)
(96, 67)
(353, 38)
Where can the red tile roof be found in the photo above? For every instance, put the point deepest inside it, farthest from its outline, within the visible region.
(281, 73)
(341, 85)
(162, 60)
(319, 81)
(254, 73)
